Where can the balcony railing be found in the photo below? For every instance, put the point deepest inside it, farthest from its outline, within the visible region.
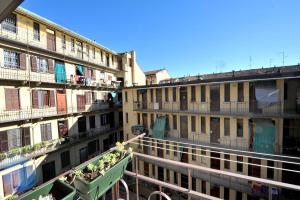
(26, 36)
(226, 108)
(33, 113)
(20, 154)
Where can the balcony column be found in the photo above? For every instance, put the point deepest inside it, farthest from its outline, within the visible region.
(280, 86)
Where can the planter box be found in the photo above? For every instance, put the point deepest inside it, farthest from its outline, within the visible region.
(97, 187)
(58, 189)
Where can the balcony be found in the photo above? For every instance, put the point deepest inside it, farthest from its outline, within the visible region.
(21, 154)
(27, 37)
(213, 108)
(35, 113)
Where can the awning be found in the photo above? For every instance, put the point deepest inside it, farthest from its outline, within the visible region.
(159, 127)
(264, 136)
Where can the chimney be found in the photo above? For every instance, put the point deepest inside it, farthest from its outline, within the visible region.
(132, 66)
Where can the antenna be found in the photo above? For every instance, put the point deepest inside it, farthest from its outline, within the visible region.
(250, 62)
(270, 62)
(283, 57)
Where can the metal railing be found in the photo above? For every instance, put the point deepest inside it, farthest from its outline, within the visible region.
(226, 108)
(33, 113)
(26, 36)
(29, 151)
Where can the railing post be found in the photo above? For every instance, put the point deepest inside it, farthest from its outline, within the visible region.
(190, 183)
(270, 192)
(136, 178)
(160, 189)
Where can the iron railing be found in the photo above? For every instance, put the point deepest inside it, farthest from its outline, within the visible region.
(26, 36)
(223, 108)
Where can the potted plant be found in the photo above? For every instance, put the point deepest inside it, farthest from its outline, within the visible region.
(95, 178)
(56, 189)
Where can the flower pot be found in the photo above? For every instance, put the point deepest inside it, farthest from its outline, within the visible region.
(58, 189)
(96, 188)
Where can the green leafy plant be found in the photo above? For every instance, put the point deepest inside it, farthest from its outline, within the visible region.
(2, 156)
(78, 173)
(14, 152)
(91, 167)
(27, 149)
(101, 165)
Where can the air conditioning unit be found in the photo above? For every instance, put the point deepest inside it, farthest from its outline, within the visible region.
(156, 106)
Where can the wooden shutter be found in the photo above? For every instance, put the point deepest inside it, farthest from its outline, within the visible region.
(33, 63)
(22, 61)
(35, 100)
(3, 141)
(12, 99)
(94, 74)
(50, 65)
(25, 136)
(52, 98)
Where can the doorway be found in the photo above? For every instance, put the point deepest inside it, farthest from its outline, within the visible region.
(48, 170)
(214, 130)
(184, 127)
(183, 98)
(215, 98)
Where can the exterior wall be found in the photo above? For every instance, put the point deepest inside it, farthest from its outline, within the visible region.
(232, 141)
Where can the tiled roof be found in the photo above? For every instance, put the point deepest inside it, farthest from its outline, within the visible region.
(153, 72)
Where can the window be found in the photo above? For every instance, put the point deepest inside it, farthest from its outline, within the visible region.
(239, 166)
(11, 59)
(227, 92)
(12, 99)
(203, 187)
(126, 97)
(14, 138)
(94, 53)
(193, 93)
(101, 56)
(227, 126)
(174, 122)
(43, 98)
(73, 44)
(153, 170)
(240, 92)
(10, 23)
(193, 153)
(46, 133)
(92, 122)
(239, 195)
(193, 121)
(42, 65)
(107, 60)
(203, 127)
(167, 122)
(152, 120)
(88, 51)
(239, 127)
(166, 94)
(127, 118)
(167, 175)
(203, 93)
(63, 42)
(151, 95)
(175, 178)
(167, 148)
(226, 161)
(65, 159)
(174, 94)
(138, 118)
(270, 171)
(226, 193)
(203, 156)
(193, 183)
(36, 31)
(82, 125)
(104, 119)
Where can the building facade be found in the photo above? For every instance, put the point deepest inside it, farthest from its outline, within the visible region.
(60, 99)
(156, 76)
(235, 121)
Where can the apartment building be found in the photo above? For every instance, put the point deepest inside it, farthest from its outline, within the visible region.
(155, 76)
(253, 113)
(61, 100)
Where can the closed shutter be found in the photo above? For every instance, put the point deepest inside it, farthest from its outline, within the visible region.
(52, 98)
(49, 132)
(3, 141)
(33, 63)
(94, 74)
(12, 99)
(35, 100)
(25, 136)
(88, 97)
(22, 61)
(50, 65)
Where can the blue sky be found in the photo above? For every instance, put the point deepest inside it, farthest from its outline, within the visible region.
(186, 37)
